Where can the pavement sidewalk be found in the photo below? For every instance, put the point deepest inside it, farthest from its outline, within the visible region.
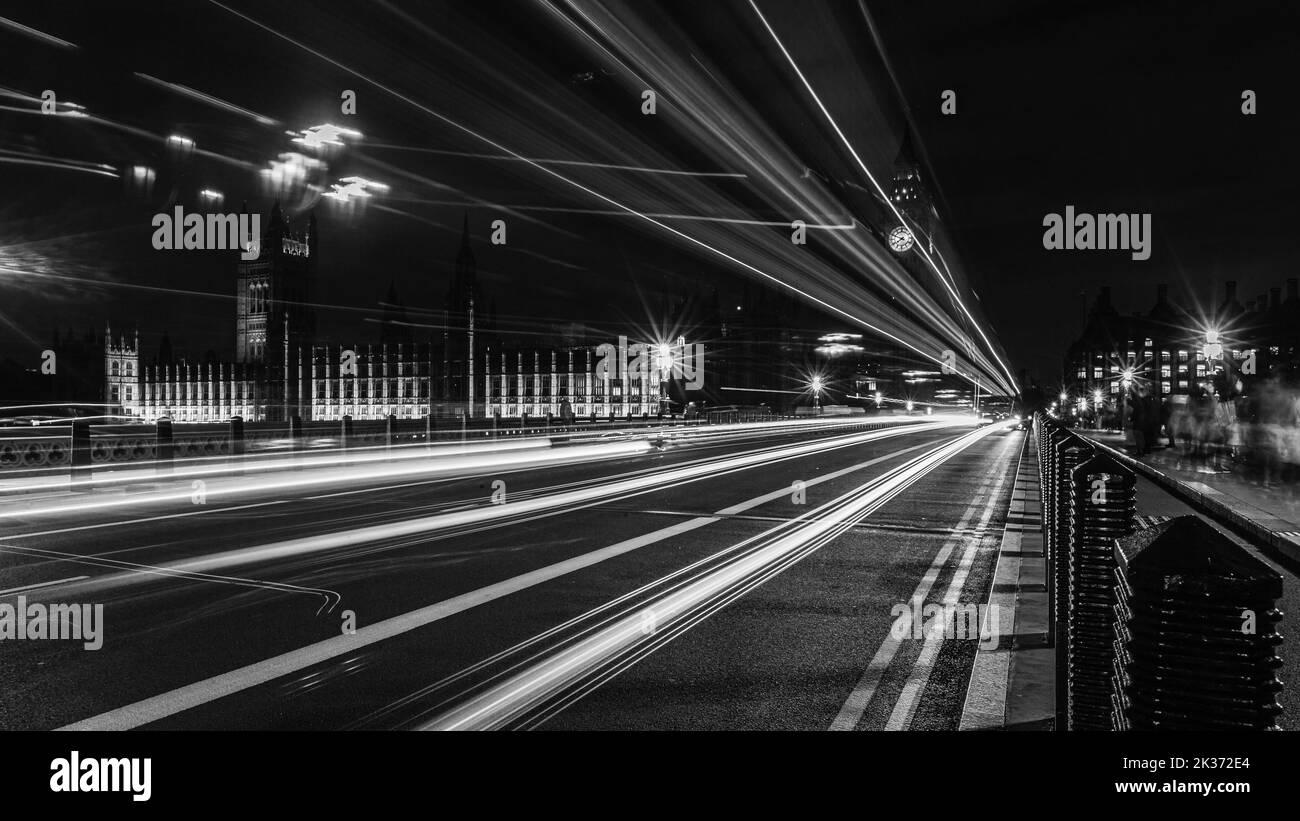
(1012, 686)
(1269, 514)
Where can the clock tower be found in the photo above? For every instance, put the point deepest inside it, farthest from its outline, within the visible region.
(274, 319)
(911, 198)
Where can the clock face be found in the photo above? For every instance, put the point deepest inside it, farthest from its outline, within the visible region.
(900, 239)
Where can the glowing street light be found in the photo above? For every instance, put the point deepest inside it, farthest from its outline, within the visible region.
(325, 134)
(354, 187)
(1213, 348)
(817, 394)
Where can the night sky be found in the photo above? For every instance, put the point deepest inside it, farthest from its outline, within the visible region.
(1110, 107)
(1105, 106)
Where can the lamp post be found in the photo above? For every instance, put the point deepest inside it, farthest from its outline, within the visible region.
(1126, 382)
(817, 395)
(1096, 406)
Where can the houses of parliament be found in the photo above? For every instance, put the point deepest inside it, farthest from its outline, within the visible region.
(281, 368)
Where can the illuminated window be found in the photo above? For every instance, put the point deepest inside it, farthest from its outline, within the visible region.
(1166, 371)
(1096, 373)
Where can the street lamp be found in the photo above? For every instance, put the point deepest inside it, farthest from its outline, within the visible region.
(1096, 406)
(817, 395)
(1126, 382)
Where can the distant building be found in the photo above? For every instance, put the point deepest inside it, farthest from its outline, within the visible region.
(564, 382)
(282, 370)
(122, 373)
(1166, 348)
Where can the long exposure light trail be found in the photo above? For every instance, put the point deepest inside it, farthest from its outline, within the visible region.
(929, 355)
(748, 139)
(201, 692)
(636, 169)
(595, 212)
(549, 504)
(35, 34)
(884, 197)
(518, 459)
(526, 691)
(208, 99)
(612, 610)
(219, 466)
(62, 166)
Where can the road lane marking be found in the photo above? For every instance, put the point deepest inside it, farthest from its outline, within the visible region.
(193, 695)
(910, 698)
(860, 698)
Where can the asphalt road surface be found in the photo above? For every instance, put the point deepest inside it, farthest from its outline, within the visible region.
(742, 577)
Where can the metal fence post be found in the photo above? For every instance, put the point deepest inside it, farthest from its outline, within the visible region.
(236, 437)
(164, 451)
(1195, 631)
(1103, 508)
(1068, 452)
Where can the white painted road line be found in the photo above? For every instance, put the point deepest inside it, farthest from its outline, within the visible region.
(860, 698)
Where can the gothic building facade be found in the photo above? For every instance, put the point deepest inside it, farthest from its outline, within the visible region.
(283, 370)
